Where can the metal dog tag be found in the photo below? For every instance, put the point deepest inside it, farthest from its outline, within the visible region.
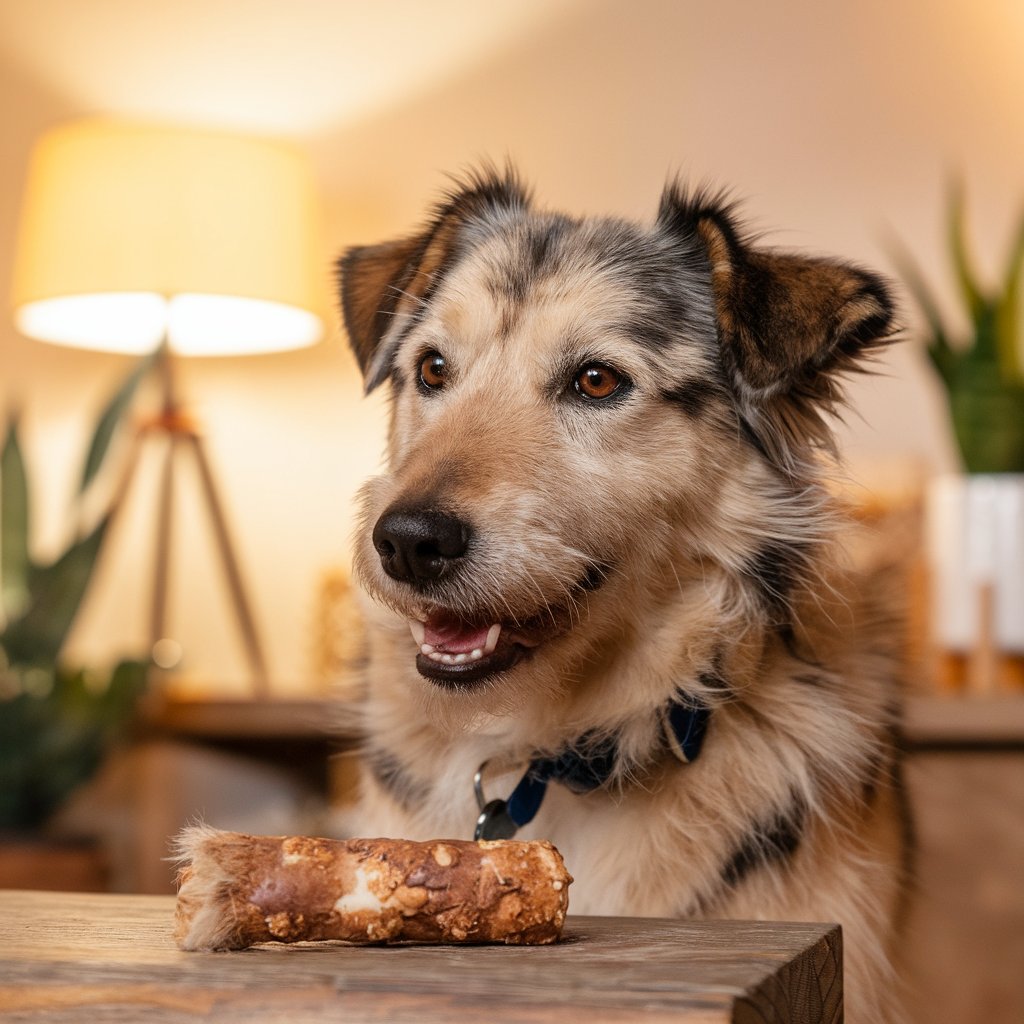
(494, 822)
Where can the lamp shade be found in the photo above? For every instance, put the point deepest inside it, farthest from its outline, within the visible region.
(131, 233)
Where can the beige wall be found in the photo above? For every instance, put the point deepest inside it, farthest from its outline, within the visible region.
(838, 122)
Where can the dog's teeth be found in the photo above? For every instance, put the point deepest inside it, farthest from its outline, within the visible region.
(419, 632)
(443, 658)
(492, 638)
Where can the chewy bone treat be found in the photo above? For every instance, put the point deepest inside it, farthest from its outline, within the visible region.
(235, 890)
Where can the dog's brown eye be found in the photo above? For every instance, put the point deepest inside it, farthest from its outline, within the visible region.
(433, 371)
(597, 381)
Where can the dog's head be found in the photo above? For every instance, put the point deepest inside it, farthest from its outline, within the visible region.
(583, 410)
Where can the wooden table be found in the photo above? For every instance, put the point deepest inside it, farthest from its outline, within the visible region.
(99, 958)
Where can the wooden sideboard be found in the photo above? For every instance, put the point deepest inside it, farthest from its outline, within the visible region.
(73, 957)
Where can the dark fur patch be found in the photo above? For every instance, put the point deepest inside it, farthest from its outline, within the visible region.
(393, 776)
(657, 331)
(714, 679)
(693, 396)
(510, 285)
(595, 577)
(541, 245)
(665, 316)
(398, 379)
(813, 679)
(774, 571)
(772, 841)
(534, 258)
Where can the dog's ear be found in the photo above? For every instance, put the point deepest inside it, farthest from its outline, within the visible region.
(788, 325)
(383, 287)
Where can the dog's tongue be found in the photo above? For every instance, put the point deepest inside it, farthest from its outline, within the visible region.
(453, 637)
(449, 635)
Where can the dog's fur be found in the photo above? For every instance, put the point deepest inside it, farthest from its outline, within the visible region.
(673, 539)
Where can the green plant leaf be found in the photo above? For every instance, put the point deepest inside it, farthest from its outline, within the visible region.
(912, 277)
(1010, 315)
(50, 743)
(14, 518)
(944, 358)
(111, 417)
(127, 684)
(971, 290)
(55, 594)
(946, 363)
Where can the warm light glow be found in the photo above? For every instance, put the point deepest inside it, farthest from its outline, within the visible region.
(196, 325)
(221, 325)
(130, 230)
(119, 322)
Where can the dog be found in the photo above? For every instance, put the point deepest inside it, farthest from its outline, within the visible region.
(608, 603)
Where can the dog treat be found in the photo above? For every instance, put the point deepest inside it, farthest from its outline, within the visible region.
(235, 890)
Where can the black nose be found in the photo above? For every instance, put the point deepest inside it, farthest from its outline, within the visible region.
(418, 545)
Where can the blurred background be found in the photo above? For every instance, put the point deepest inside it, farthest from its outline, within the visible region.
(838, 125)
(842, 127)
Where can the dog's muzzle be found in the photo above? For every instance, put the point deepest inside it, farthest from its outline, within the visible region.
(418, 546)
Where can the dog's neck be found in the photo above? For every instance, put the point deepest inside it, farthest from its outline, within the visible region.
(592, 762)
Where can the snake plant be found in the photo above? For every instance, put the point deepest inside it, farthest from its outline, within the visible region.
(56, 722)
(983, 373)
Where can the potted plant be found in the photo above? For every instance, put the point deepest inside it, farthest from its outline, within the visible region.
(975, 520)
(56, 720)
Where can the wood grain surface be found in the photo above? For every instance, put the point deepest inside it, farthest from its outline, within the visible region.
(98, 958)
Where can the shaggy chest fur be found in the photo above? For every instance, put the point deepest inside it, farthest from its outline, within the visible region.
(603, 498)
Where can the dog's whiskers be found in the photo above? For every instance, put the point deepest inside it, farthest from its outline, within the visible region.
(395, 290)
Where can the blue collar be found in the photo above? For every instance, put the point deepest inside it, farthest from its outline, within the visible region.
(585, 766)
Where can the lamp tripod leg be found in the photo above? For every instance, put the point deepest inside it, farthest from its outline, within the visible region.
(232, 570)
(162, 556)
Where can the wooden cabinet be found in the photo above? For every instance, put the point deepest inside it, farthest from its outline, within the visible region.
(965, 947)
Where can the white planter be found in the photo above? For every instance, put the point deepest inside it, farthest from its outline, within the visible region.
(975, 551)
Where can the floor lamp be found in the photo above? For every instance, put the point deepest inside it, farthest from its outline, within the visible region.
(137, 238)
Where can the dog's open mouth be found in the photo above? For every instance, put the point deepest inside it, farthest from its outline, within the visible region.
(455, 652)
